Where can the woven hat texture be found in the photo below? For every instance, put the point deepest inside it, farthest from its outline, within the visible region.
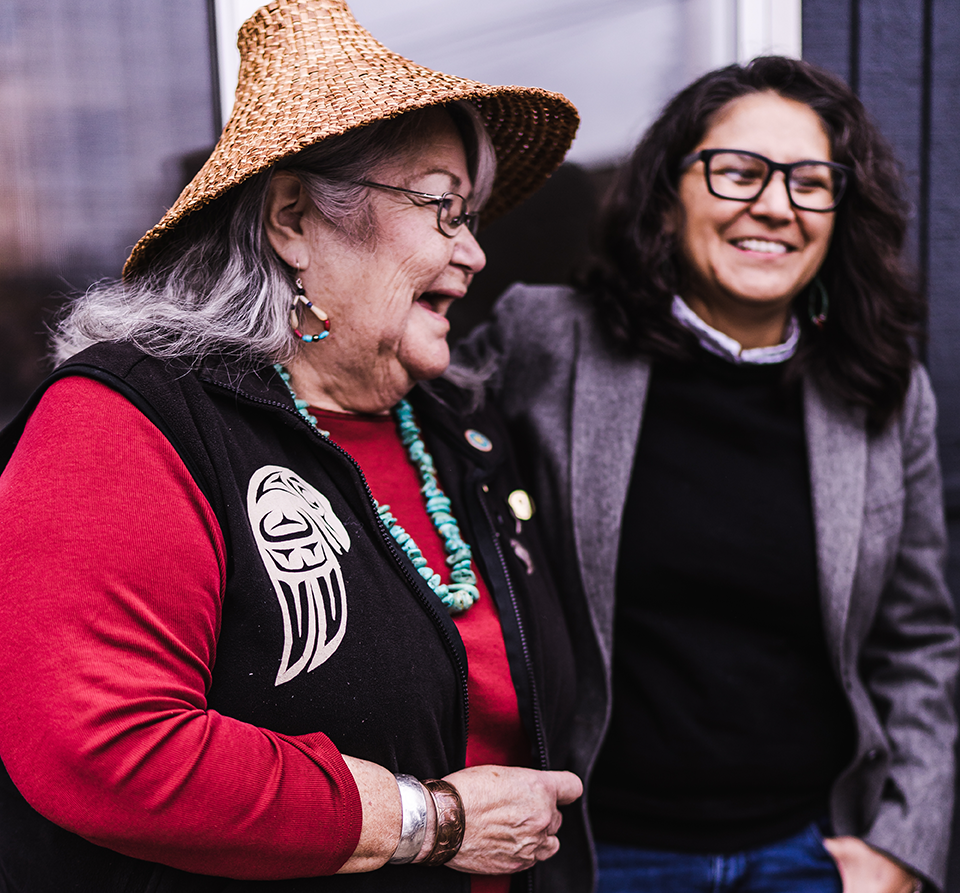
(309, 70)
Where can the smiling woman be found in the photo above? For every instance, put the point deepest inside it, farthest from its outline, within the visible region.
(734, 446)
(744, 263)
(293, 571)
(389, 291)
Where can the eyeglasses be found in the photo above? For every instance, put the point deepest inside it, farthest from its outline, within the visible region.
(451, 208)
(742, 176)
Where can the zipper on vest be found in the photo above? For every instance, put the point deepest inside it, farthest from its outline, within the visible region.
(541, 741)
(392, 548)
(527, 660)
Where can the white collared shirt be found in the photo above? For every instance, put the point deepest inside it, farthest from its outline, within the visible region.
(724, 346)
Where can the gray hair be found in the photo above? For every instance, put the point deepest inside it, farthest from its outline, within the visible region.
(217, 287)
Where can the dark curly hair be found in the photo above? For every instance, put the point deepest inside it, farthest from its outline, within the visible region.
(864, 354)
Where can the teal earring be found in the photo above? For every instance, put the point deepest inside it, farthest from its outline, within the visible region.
(300, 297)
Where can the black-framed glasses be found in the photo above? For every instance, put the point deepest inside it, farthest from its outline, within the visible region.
(741, 176)
(451, 208)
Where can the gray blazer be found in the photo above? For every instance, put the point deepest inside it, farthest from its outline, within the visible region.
(576, 409)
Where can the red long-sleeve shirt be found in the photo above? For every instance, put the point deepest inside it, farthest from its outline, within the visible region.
(113, 570)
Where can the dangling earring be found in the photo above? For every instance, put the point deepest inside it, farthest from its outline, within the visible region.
(300, 297)
(818, 294)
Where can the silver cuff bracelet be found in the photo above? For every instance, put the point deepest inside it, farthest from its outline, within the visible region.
(413, 808)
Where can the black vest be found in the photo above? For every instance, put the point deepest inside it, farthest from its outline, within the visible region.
(375, 662)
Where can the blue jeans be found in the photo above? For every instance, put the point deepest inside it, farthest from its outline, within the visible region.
(798, 864)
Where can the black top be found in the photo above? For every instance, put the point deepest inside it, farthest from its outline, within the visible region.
(728, 724)
(394, 689)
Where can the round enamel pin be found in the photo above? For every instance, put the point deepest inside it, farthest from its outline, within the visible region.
(478, 441)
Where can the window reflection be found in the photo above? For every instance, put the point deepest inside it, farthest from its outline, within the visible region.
(102, 102)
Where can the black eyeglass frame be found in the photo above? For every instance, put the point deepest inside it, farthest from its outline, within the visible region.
(705, 155)
(471, 221)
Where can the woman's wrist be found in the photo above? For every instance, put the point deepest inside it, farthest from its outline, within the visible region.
(416, 805)
(450, 822)
(432, 822)
(430, 838)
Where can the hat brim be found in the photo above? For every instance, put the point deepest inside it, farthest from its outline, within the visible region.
(309, 71)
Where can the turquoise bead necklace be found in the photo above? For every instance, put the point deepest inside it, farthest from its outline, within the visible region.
(461, 592)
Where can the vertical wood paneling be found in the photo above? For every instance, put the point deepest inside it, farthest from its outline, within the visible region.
(943, 267)
(826, 34)
(891, 85)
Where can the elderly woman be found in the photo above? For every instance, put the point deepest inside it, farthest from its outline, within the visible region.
(254, 571)
(735, 446)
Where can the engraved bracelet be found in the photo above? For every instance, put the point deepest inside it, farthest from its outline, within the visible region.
(451, 822)
(413, 808)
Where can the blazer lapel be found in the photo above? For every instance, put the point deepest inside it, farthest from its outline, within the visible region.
(837, 451)
(608, 400)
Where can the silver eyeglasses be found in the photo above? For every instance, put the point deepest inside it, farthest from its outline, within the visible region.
(741, 176)
(451, 208)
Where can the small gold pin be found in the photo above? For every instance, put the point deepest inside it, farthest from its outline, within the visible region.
(521, 505)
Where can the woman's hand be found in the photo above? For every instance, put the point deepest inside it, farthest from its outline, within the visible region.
(511, 816)
(865, 870)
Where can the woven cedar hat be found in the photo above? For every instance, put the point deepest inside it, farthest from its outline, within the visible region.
(308, 71)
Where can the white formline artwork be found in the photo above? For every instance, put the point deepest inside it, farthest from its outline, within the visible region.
(300, 541)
